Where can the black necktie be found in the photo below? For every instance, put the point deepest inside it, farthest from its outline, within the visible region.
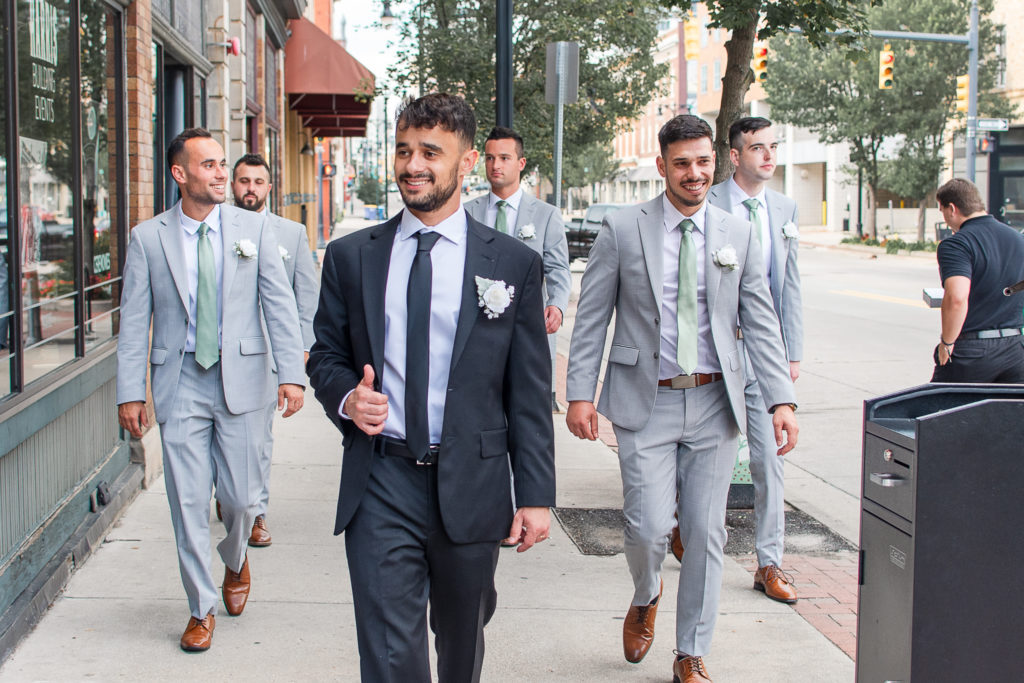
(417, 350)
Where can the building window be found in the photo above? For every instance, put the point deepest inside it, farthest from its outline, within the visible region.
(1000, 40)
(717, 82)
(703, 78)
(251, 52)
(7, 366)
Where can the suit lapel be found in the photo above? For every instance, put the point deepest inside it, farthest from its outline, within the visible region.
(652, 242)
(715, 235)
(478, 208)
(374, 258)
(776, 219)
(525, 214)
(481, 259)
(173, 242)
(231, 232)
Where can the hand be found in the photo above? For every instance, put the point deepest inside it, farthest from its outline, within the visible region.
(794, 370)
(529, 526)
(784, 420)
(293, 395)
(552, 319)
(367, 408)
(132, 416)
(943, 353)
(305, 358)
(582, 419)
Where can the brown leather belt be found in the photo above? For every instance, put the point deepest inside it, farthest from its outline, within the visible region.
(399, 449)
(698, 379)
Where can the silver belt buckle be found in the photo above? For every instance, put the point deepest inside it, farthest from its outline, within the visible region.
(684, 382)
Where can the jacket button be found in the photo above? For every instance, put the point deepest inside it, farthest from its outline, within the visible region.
(655, 354)
(657, 320)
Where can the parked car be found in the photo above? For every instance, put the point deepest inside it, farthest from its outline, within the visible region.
(581, 236)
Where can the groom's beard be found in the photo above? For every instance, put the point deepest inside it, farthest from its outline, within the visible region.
(434, 200)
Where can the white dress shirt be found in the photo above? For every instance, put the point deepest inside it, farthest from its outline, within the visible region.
(707, 358)
(511, 210)
(448, 261)
(736, 198)
(190, 231)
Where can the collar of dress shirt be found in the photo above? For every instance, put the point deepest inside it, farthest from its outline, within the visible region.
(513, 200)
(737, 196)
(191, 225)
(673, 216)
(265, 211)
(453, 228)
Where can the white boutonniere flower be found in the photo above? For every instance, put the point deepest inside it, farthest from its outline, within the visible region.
(726, 258)
(285, 256)
(527, 232)
(494, 296)
(790, 231)
(246, 249)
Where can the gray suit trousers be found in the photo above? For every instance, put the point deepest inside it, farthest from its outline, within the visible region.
(767, 470)
(205, 446)
(266, 456)
(688, 446)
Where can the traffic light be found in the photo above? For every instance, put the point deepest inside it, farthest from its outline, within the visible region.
(986, 144)
(327, 170)
(886, 58)
(760, 63)
(691, 37)
(963, 92)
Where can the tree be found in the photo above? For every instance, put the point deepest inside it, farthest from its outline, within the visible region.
(759, 19)
(369, 191)
(839, 98)
(448, 46)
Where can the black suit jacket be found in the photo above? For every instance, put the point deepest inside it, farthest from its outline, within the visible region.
(498, 406)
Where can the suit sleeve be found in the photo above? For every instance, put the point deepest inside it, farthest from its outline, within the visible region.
(761, 336)
(557, 278)
(598, 293)
(792, 308)
(306, 288)
(279, 311)
(331, 367)
(136, 313)
(528, 398)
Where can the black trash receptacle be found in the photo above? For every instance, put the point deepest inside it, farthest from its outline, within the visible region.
(940, 551)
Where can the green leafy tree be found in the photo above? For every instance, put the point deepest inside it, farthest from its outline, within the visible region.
(448, 46)
(370, 190)
(839, 99)
(750, 20)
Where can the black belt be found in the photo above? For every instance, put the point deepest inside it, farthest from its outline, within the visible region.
(399, 449)
(992, 334)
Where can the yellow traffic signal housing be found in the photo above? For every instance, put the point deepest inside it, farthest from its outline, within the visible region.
(963, 92)
(886, 58)
(759, 64)
(691, 38)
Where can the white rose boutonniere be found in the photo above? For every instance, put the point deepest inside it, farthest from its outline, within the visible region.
(494, 296)
(527, 232)
(790, 231)
(726, 258)
(246, 249)
(285, 256)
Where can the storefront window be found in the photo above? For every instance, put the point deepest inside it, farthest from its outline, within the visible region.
(6, 313)
(46, 196)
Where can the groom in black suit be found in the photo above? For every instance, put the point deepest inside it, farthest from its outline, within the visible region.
(431, 357)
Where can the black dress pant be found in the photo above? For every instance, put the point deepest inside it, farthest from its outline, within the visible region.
(400, 560)
(988, 361)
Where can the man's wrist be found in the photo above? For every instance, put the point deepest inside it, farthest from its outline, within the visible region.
(791, 406)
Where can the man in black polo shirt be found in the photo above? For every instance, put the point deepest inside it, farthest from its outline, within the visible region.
(982, 338)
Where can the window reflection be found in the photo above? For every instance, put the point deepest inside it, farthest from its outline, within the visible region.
(5, 268)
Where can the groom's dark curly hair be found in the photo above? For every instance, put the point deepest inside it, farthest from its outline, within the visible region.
(440, 109)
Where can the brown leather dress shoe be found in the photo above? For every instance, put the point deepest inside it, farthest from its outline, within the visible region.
(260, 536)
(638, 629)
(236, 589)
(676, 543)
(198, 636)
(689, 669)
(775, 583)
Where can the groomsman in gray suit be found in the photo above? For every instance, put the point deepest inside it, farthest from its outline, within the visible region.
(205, 277)
(250, 186)
(753, 150)
(508, 209)
(677, 275)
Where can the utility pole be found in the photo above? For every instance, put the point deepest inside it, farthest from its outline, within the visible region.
(503, 64)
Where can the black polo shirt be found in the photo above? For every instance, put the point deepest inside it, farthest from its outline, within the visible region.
(991, 255)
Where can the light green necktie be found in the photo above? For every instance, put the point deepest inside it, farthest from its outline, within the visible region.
(207, 347)
(755, 219)
(501, 220)
(686, 300)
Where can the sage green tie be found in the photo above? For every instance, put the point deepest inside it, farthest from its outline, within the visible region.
(686, 300)
(207, 346)
(501, 220)
(755, 219)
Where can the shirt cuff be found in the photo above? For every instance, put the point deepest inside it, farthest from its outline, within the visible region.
(341, 408)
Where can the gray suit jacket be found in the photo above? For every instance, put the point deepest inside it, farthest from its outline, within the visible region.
(549, 242)
(785, 276)
(155, 290)
(301, 271)
(624, 277)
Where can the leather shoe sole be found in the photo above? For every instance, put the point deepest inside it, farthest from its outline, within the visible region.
(198, 635)
(236, 589)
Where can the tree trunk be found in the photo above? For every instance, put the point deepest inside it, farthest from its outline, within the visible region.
(735, 83)
(871, 219)
(920, 218)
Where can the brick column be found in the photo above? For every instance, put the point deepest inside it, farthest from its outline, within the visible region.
(139, 89)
